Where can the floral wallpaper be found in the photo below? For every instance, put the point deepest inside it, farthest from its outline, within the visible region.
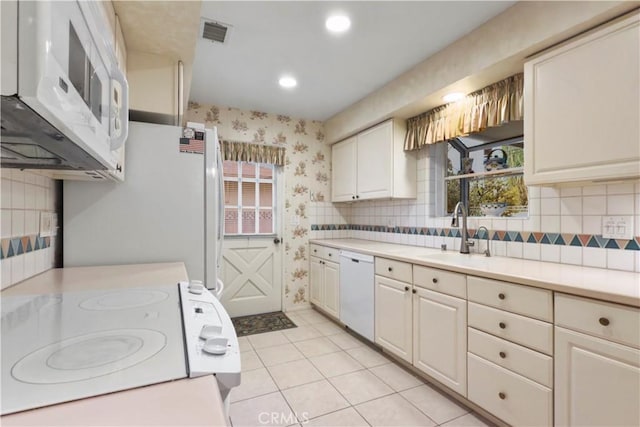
(306, 177)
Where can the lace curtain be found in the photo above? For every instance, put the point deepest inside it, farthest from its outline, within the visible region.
(249, 152)
(493, 105)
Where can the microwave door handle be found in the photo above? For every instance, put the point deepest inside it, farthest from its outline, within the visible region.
(123, 115)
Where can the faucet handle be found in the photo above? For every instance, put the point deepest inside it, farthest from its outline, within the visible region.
(454, 220)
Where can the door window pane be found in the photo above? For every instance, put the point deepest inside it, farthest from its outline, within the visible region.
(231, 221)
(265, 221)
(230, 169)
(248, 193)
(248, 170)
(231, 193)
(266, 171)
(266, 194)
(248, 221)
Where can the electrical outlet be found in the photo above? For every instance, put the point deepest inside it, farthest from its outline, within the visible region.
(617, 227)
(46, 224)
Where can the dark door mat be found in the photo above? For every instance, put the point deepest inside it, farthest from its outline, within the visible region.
(259, 323)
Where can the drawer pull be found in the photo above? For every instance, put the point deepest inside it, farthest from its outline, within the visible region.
(604, 321)
(406, 288)
(503, 354)
(415, 291)
(434, 280)
(390, 269)
(501, 295)
(502, 395)
(329, 254)
(502, 325)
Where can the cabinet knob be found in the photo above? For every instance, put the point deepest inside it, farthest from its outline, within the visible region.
(501, 295)
(353, 197)
(329, 254)
(315, 250)
(415, 291)
(604, 321)
(502, 325)
(502, 354)
(390, 269)
(434, 280)
(502, 395)
(406, 288)
(357, 197)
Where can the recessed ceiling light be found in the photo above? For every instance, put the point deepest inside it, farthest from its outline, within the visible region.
(453, 97)
(338, 23)
(287, 82)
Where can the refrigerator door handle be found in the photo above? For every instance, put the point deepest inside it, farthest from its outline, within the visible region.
(221, 200)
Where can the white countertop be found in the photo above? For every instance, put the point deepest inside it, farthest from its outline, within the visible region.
(185, 402)
(610, 285)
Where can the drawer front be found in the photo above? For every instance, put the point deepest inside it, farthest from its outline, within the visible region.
(454, 284)
(394, 269)
(316, 250)
(519, 299)
(528, 363)
(612, 322)
(509, 396)
(332, 254)
(530, 333)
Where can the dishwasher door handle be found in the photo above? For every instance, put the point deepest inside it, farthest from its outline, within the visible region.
(355, 260)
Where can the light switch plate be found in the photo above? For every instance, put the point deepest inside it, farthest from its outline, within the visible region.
(46, 226)
(617, 227)
(295, 219)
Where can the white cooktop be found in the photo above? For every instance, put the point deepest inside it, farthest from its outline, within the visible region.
(62, 347)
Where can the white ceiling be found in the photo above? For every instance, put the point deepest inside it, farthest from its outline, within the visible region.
(268, 39)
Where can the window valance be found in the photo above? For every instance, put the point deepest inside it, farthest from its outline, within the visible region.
(493, 105)
(250, 152)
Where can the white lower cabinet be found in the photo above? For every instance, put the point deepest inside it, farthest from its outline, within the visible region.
(393, 317)
(440, 338)
(507, 395)
(324, 281)
(597, 363)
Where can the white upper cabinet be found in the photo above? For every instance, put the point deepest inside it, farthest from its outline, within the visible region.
(582, 108)
(374, 165)
(343, 171)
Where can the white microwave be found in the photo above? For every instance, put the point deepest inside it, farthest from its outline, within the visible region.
(64, 99)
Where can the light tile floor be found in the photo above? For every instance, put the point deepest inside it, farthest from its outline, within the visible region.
(318, 375)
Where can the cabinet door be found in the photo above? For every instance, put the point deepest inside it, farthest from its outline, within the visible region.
(332, 288)
(582, 108)
(393, 319)
(343, 170)
(440, 338)
(316, 279)
(375, 161)
(597, 382)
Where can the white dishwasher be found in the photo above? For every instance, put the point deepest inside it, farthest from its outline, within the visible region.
(357, 292)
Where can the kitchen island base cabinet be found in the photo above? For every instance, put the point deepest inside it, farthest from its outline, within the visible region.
(393, 318)
(440, 338)
(597, 382)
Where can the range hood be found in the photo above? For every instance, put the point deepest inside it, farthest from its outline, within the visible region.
(30, 142)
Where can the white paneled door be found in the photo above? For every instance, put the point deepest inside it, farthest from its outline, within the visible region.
(252, 273)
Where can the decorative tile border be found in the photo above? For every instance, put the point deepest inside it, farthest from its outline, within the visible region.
(15, 246)
(562, 239)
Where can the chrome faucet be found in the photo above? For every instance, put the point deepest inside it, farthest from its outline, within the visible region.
(465, 243)
(487, 252)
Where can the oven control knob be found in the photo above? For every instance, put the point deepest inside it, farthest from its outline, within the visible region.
(196, 287)
(210, 331)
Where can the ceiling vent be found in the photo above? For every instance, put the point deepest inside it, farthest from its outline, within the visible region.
(214, 31)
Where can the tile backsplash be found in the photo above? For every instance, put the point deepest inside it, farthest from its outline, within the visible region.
(564, 225)
(24, 252)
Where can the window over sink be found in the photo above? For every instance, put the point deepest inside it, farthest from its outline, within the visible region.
(487, 176)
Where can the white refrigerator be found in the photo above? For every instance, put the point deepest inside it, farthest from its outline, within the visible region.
(169, 208)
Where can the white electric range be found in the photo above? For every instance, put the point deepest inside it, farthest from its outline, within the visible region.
(67, 346)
